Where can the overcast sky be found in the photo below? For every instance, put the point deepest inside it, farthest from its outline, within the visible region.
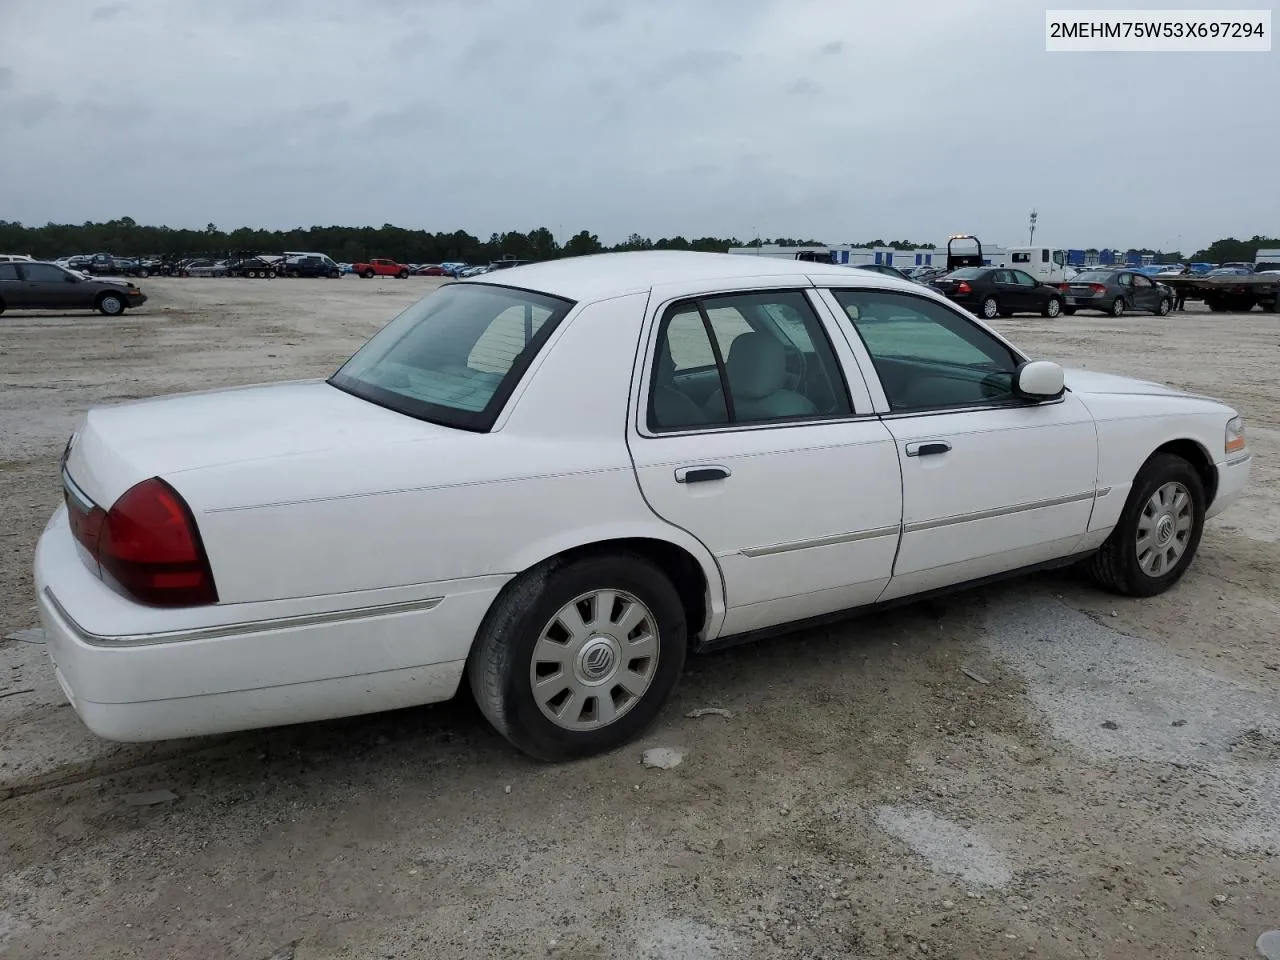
(838, 119)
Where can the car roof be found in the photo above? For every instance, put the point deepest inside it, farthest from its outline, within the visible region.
(603, 275)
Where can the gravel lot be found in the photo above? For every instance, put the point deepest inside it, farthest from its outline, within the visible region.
(1110, 791)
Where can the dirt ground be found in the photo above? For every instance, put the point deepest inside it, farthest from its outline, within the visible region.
(1102, 782)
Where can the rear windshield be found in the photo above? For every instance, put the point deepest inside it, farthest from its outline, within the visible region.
(966, 273)
(1090, 276)
(455, 356)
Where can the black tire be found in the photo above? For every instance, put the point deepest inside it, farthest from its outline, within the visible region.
(110, 304)
(368, 274)
(501, 657)
(144, 273)
(1053, 308)
(1115, 566)
(1117, 307)
(1164, 308)
(989, 309)
(403, 275)
(270, 274)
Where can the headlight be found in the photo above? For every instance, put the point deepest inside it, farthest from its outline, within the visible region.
(1235, 441)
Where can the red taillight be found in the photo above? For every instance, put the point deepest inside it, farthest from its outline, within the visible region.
(1064, 287)
(963, 287)
(148, 544)
(1097, 289)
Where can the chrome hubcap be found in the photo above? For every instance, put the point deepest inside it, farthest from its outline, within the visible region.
(1164, 529)
(594, 660)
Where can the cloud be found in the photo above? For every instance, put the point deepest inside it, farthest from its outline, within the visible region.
(601, 15)
(814, 117)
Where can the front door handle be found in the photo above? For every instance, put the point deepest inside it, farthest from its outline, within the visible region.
(702, 473)
(928, 448)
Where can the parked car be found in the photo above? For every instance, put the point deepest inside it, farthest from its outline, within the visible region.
(15, 258)
(507, 263)
(310, 265)
(1000, 292)
(475, 271)
(106, 265)
(206, 268)
(382, 268)
(443, 507)
(431, 270)
(36, 285)
(884, 270)
(1238, 270)
(1115, 291)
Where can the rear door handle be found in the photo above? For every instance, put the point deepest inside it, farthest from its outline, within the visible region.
(702, 474)
(928, 448)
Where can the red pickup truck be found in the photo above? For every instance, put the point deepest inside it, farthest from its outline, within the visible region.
(381, 268)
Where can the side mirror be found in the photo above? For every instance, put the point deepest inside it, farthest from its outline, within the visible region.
(1039, 380)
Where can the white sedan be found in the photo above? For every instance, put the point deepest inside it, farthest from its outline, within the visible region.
(557, 480)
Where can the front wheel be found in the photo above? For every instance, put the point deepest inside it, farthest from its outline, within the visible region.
(1053, 308)
(368, 274)
(144, 273)
(990, 308)
(403, 275)
(1158, 533)
(110, 305)
(1117, 307)
(1164, 308)
(576, 658)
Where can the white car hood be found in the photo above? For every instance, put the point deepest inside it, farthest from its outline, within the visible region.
(121, 445)
(1090, 381)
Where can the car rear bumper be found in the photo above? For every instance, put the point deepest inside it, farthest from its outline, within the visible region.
(1088, 303)
(241, 669)
(1233, 477)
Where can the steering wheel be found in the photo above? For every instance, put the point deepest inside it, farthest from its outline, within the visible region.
(994, 386)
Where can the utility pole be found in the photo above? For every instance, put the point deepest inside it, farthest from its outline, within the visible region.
(1032, 237)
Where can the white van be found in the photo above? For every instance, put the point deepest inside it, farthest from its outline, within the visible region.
(1046, 264)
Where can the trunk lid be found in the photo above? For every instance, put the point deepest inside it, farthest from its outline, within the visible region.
(118, 446)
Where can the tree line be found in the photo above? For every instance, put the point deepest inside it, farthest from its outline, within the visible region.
(125, 237)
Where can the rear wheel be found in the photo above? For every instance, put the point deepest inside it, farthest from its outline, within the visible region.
(403, 275)
(144, 273)
(368, 274)
(578, 657)
(1117, 307)
(990, 308)
(1158, 533)
(111, 304)
(1053, 308)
